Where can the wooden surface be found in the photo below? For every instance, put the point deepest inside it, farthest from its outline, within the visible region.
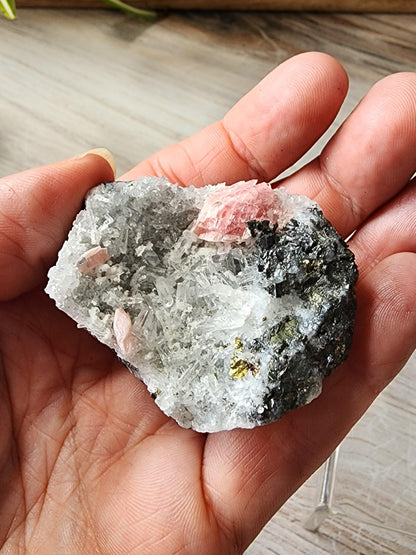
(390, 6)
(74, 80)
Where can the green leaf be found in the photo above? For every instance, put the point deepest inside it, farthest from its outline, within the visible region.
(138, 12)
(8, 8)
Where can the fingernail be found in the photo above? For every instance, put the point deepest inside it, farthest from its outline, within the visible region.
(103, 153)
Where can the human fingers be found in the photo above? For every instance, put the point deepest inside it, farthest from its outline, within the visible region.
(261, 468)
(369, 160)
(265, 132)
(37, 208)
(390, 230)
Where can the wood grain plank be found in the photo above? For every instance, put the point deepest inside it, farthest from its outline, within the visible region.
(391, 6)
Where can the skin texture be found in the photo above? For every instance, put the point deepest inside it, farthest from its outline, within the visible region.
(88, 463)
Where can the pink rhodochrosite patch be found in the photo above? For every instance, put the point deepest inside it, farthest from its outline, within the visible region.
(225, 213)
(122, 326)
(92, 259)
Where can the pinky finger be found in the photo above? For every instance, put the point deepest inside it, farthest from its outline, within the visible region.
(385, 335)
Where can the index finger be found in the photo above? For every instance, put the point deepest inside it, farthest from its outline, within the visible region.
(266, 132)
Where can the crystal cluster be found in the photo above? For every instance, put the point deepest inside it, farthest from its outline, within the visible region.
(231, 303)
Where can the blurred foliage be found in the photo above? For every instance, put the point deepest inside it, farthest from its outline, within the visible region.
(8, 8)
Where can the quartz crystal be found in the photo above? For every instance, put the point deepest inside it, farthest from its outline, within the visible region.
(231, 303)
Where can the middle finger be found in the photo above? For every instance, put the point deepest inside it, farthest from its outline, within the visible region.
(369, 159)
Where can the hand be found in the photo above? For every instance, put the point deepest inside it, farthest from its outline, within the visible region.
(87, 461)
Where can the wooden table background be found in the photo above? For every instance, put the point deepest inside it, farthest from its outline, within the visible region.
(73, 80)
(391, 6)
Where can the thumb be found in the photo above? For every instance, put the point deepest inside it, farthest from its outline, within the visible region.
(37, 208)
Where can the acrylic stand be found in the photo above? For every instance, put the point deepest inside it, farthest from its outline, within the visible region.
(325, 494)
(366, 490)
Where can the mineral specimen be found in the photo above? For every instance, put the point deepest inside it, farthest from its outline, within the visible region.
(231, 303)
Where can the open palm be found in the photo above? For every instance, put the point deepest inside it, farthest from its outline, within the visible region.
(88, 463)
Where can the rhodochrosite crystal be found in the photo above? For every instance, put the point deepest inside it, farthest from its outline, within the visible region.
(231, 303)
